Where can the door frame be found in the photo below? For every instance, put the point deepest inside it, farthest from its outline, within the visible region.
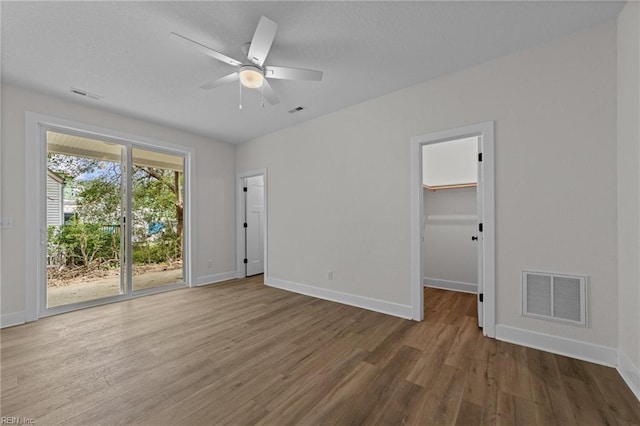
(485, 132)
(36, 126)
(240, 206)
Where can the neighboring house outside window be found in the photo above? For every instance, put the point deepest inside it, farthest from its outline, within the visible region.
(55, 197)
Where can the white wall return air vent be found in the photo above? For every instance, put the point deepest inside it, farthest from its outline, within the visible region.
(555, 297)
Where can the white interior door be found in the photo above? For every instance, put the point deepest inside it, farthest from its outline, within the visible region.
(254, 225)
(480, 235)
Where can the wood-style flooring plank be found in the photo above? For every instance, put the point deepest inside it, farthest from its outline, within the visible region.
(515, 411)
(547, 389)
(242, 353)
(514, 372)
(469, 414)
(615, 393)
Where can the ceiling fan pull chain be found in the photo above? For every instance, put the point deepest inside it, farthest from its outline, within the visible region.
(240, 101)
(262, 93)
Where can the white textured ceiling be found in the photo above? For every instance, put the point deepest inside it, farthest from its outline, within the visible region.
(121, 51)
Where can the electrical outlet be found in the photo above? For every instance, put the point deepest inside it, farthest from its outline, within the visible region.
(210, 264)
(6, 223)
(330, 275)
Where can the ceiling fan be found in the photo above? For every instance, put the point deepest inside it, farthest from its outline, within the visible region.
(252, 73)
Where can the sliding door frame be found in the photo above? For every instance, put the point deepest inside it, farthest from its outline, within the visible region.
(36, 126)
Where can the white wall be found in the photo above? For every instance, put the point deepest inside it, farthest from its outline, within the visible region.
(214, 218)
(450, 221)
(629, 185)
(555, 112)
(451, 163)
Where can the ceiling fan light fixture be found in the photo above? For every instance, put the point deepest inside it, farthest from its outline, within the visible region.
(251, 76)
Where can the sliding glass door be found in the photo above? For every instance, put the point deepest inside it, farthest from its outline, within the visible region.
(157, 213)
(114, 215)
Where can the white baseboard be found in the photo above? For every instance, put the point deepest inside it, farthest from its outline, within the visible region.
(630, 373)
(216, 278)
(14, 318)
(390, 308)
(590, 352)
(450, 285)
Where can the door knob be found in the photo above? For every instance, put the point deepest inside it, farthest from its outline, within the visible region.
(474, 238)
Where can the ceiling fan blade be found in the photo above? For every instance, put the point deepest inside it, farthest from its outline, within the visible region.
(262, 40)
(204, 49)
(286, 73)
(269, 94)
(221, 81)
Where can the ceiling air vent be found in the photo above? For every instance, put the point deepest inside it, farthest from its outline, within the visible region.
(84, 93)
(554, 297)
(296, 109)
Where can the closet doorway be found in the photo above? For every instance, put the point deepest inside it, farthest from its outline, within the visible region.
(451, 205)
(452, 217)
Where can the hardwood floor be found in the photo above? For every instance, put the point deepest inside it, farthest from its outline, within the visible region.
(243, 353)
